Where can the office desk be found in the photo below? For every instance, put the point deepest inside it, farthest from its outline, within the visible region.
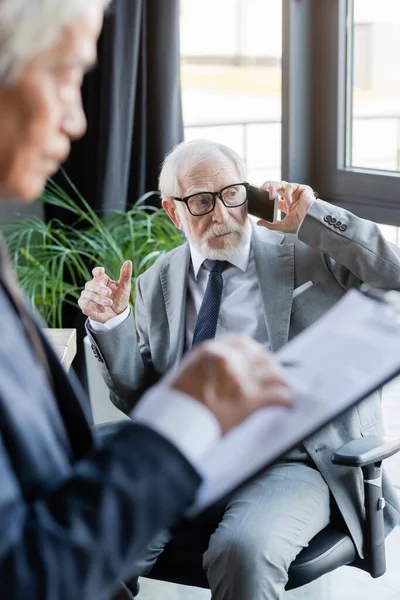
(64, 344)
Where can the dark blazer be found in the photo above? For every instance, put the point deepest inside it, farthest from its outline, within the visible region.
(75, 512)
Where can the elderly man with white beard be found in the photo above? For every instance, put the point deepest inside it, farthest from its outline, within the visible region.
(270, 282)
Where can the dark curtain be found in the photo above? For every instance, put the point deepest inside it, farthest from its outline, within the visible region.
(133, 105)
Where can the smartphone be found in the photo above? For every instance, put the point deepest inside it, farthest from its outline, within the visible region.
(260, 205)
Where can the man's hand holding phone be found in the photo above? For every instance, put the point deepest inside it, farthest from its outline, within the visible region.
(294, 200)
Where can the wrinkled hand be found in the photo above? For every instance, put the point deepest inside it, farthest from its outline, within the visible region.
(102, 299)
(295, 200)
(233, 376)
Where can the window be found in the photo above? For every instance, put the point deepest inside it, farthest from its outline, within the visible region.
(353, 137)
(374, 85)
(231, 78)
(334, 123)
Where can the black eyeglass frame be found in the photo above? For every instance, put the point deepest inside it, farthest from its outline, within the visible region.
(214, 195)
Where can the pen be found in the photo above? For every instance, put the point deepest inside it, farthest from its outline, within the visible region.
(290, 363)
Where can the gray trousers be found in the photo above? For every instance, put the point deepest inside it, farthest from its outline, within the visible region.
(265, 526)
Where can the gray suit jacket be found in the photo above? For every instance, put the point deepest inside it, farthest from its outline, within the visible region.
(336, 255)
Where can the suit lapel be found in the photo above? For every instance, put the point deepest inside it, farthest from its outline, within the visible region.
(174, 283)
(275, 269)
(67, 395)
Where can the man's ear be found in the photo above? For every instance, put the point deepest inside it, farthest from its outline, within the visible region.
(171, 209)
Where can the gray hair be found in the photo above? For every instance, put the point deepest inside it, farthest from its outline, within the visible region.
(185, 156)
(28, 27)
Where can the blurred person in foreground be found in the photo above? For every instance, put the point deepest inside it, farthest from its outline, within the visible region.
(77, 511)
(277, 279)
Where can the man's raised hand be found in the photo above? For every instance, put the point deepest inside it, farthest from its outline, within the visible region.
(102, 298)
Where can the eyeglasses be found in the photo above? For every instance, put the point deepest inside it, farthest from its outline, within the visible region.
(202, 203)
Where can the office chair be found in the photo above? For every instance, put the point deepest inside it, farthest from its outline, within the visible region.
(181, 560)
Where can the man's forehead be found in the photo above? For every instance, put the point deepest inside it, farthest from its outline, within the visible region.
(78, 41)
(210, 172)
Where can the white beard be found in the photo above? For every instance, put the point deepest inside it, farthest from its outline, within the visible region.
(231, 247)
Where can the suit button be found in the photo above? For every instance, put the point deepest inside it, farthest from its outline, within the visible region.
(338, 224)
(328, 218)
(320, 449)
(343, 227)
(96, 354)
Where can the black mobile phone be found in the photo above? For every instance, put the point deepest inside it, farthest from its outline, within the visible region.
(260, 205)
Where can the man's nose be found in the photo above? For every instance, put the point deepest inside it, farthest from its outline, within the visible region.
(220, 212)
(74, 123)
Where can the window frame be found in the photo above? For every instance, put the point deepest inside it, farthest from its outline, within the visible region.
(314, 144)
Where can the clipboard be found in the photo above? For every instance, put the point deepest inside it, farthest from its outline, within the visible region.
(349, 353)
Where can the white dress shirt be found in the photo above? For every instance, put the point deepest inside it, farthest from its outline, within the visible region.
(184, 421)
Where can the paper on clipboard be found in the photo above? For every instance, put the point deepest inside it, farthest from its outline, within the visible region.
(342, 358)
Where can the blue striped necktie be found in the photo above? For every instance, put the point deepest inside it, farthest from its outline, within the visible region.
(207, 319)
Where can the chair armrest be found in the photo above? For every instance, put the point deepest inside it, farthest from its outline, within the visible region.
(368, 453)
(366, 450)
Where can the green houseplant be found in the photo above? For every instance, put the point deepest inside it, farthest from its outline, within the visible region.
(54, 260)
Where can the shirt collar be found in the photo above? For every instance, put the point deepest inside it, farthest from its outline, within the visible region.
(240, 259)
